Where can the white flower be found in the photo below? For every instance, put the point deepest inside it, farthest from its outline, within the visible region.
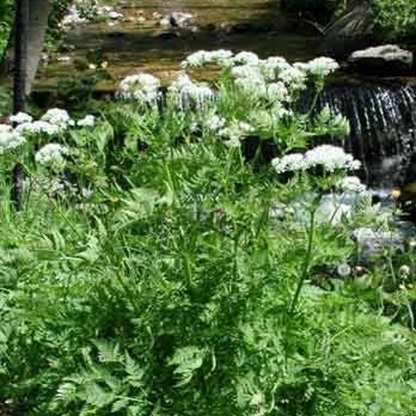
(197, 59)
(246, 71)
(277, 92)
(235, 131)
(58, 117)
(352, 184)
(246, 58)
(331, 158)
(20, 118)
(404, 271)
(10, 140)
(272, 66)
(289, 163)
(194, 127)
(293, 77)
(344, 270)
(87, 121)
(38, 127)
(233, 142)
(141, 87)
(215, 122)
(184, 91)
(255, 86)
(320, 67)
(250, 78)
(5, 128)
(222, 57)
(50, 154)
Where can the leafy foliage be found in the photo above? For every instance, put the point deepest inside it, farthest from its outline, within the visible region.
(169, 289)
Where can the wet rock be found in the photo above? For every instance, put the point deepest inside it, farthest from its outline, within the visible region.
(177, 20)
(382, 60)
(354, 30)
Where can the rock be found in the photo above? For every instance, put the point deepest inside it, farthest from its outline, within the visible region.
(354, 30)
(177, 20)
(382, 60)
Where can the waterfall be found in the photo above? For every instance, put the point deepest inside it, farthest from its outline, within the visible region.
(383, 129)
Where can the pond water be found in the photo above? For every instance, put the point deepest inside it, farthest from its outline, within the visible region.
(139, 42)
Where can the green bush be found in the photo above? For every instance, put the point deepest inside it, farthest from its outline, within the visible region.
(396, 19)
(171, 289)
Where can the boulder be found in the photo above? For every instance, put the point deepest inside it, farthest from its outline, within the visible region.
(354, 30)
(382, 60)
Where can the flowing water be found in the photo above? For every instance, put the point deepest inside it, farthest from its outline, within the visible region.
(382, 116)
(139, 42)
(383, 122)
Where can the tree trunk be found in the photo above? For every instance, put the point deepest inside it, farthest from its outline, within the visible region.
(19, 87)
(38, 23)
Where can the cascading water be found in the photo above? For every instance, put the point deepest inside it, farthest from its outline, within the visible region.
(383, 129)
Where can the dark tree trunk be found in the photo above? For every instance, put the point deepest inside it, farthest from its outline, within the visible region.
(19, 87)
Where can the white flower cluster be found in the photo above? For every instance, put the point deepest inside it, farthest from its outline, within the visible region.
(186, 92)
(87, 121)
(320, 67)
(38, 127)
(219, 57)
(21, 118)
(214, 122)
(10, 140)
(352, 184)
(58, 117)
(141, 87)
(235, 132)
(5, 128)
(51, 154)
(54, 121)
(289, 163)
(273, 79)
(330, 158)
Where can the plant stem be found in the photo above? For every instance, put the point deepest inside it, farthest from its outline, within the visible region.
(314, 101)
(306, 264)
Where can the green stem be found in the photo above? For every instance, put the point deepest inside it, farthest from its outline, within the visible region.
(314, 101)
(306, 264)
(170, 183)
(55, 206)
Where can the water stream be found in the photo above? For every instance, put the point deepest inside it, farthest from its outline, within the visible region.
(382, 116)
(383, 122)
